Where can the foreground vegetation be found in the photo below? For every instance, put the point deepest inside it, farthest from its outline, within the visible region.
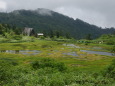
(49, 72)
(52, 68)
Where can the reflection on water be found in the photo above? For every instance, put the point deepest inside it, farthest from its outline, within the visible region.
(98, 52)
(97, 48)
(74, 46)
(87, 51)
(71, 45)
(71, 53)
(25, 52)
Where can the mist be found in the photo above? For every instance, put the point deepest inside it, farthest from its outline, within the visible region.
(100, 13)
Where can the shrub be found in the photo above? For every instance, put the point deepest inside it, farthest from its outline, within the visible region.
(45, 46)
(42, 37)
(5, 71)
(110, 42)
(17, 37)
(32, 39)
(110, 71)
(57, 82)
(46, 62)
(113, 49)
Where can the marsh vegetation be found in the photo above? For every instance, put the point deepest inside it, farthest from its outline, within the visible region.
(55, 63)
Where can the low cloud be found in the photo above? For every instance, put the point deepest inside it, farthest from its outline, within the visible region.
(91, 17)
(3, 6)
(98, 12)
(44, 12)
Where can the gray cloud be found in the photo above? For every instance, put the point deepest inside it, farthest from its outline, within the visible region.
(98, 12)
(43, 12)
(3, 5)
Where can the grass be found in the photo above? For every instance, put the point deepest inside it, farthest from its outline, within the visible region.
(27, 71)
(54, 49)
(51, 67)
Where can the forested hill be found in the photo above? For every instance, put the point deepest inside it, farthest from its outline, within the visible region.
(47, 21)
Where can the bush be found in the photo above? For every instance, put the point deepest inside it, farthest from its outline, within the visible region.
(32, 39)
(110, 71)
(113, 49)
(42, 37)
(17, 37)
(46, 46)
(56, 82)
(5, 40)
(110, 42)
(42, 75)
(46, 62)
(5, 71)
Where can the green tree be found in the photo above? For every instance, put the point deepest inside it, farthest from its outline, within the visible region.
(57, 34)
(51, 34)
(88, 36)
(2, 29)
(67, 35)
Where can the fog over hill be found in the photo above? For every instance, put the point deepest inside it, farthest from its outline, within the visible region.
(97, 12)
(45, 20)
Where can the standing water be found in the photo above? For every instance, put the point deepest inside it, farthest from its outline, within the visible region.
(98, 52)
(24, 52)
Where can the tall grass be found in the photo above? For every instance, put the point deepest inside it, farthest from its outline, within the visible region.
(47, 72)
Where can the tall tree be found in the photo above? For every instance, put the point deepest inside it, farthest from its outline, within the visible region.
(57, 34)
(88, 36)
(67, 35)
(51, 34)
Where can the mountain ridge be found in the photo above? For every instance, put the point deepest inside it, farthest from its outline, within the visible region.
(45, 20)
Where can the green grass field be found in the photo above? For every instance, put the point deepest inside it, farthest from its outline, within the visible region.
(51, 67)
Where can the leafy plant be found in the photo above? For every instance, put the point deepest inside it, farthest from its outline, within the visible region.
(113, 49)
(110, 70)
(46, 62)
(17, 37)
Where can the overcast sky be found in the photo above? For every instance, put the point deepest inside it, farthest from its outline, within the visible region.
(98, 12)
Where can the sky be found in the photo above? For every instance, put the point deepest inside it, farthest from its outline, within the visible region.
(97, 12)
